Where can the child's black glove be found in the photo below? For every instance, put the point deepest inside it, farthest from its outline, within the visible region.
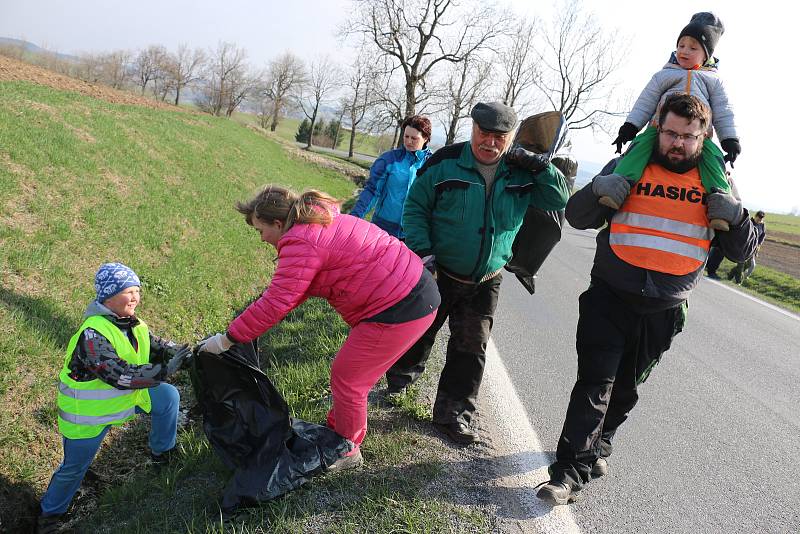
(626, 134)
(732, 149)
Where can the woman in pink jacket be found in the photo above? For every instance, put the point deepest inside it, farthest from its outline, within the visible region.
(372, 279)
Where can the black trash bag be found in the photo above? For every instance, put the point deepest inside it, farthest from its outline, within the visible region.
(247, 422)
(543, 133)
(538, 235)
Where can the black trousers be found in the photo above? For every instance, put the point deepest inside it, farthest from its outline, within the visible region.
(715, 257)
(617, 348)
(470, 308)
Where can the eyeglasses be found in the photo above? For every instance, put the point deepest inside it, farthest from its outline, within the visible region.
(674, 136)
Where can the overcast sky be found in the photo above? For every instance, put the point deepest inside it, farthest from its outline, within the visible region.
(756, 52)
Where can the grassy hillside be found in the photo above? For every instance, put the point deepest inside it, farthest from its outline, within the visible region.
(83, 182)
(287, 128)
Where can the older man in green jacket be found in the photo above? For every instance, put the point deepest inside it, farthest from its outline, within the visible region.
(461, 216)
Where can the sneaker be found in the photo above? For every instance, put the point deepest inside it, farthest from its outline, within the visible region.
(600, 468)
(556, 493)
(458, 432)
(346, 462)
(714, 276)
(48, 524)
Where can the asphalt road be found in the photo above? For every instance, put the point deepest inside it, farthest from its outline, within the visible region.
(341, 153)
(714, 443)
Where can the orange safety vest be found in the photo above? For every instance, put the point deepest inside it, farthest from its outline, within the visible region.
(662, 225)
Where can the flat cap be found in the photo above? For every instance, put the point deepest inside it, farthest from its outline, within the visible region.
(494, 117)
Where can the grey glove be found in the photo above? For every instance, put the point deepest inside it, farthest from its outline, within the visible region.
(179, 359)
(722, 205)
(613, 186)
(526, 159)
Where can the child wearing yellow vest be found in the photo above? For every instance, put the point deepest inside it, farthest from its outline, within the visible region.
(113, 369)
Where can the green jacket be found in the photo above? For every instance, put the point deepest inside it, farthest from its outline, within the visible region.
(448, 213)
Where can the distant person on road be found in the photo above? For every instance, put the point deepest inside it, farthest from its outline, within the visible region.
(379, 287)
(461, 216)
(649, 256)
(391, 176)
(692, 68)
(743, 270)
(114, 368)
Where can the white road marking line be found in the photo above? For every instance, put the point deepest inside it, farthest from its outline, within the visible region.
(754, 299)
(521, 444)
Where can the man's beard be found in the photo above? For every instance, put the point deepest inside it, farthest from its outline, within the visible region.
(679, 167)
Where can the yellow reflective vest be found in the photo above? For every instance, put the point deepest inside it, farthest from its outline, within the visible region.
(86, 408)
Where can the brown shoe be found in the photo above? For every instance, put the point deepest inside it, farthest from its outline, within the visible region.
(346, 462)
(458, 432)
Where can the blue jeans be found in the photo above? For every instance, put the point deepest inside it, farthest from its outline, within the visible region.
(79, 453)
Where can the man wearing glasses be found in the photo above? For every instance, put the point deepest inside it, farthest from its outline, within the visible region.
(649, 256)
(461, 216)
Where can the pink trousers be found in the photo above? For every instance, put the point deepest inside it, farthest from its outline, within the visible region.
(367, 353)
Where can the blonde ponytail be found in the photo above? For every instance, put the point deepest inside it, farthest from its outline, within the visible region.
(275, 203)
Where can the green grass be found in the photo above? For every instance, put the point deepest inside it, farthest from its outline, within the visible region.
(769, 284)
(782, 223)
(83, 182)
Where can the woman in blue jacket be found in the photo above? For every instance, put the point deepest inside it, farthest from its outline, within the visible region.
(391, 176)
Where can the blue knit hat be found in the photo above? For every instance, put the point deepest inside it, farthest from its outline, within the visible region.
(111, 278)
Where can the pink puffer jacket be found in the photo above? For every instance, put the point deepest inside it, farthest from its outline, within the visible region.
(357, 267)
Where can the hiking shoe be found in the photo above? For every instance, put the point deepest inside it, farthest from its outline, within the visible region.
(600, 468)
(557, 493)
(394, 389)
(346, 462)
(164, 458)
(48, 524)
(458, 432)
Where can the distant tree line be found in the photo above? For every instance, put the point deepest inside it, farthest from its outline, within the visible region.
(432, 57)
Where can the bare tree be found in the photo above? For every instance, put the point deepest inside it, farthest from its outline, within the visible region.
(116, 67)
(388, 106)
(360, 94)
(284, 74)
(224, 63)
(323, 78)
(90, 67)
(13, 50)
(241, 83)
(417, 35)
(147, 64)
(578, 60)
(518, 70)
(468, 83)
(183, 68)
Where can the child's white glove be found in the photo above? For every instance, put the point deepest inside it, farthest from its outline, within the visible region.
(216, 344)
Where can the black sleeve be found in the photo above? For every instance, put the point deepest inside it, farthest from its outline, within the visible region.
(583, 210)
(739, 242)
(97, 354)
